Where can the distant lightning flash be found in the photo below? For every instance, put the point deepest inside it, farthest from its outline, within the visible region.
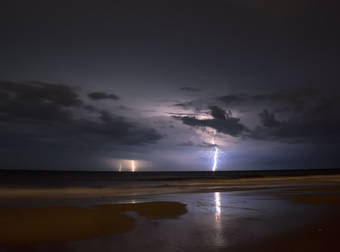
(133, 166)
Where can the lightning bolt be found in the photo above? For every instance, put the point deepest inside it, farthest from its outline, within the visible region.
(133, 166)
(215, 157)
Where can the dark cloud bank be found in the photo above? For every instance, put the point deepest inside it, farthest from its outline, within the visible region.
(45, 116)
(102, 96)
(307, 115)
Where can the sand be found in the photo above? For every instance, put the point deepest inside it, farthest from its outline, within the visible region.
(59, 224)
(322, 235)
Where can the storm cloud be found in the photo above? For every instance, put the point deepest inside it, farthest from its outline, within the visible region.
(268, 119)
(46, 113)
(315, 124)
(222, 122)
(102, 96)
(303, 115)
(37, 101)
(295, 99)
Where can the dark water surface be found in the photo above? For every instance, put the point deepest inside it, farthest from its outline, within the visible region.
(102, 179)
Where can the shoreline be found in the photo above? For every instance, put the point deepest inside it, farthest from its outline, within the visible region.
(140, 188)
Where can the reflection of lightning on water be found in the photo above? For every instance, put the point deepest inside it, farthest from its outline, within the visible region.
(217, 205)
(220, 239)
(133, 166)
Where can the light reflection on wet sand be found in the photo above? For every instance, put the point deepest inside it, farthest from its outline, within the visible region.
(217, 206)
(219, 237)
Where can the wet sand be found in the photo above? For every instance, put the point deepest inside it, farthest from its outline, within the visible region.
(320, 235)
(59, 224)
(262, 214)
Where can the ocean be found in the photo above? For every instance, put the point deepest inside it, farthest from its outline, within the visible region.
(15, 178)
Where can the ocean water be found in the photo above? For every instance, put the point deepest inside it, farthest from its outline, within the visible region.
(9, 178)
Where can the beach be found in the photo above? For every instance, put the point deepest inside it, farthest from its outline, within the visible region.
(295, 213)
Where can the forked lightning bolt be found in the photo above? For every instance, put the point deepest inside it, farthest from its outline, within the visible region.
(215, 157)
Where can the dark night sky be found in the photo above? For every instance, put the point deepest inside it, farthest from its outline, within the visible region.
(95, 84)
